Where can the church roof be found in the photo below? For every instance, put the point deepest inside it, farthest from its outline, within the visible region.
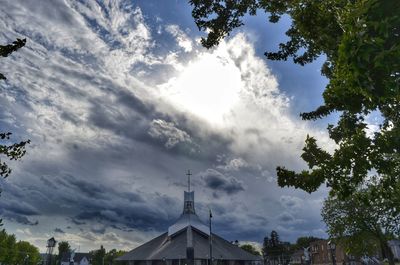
(188, 232)
(165, 247)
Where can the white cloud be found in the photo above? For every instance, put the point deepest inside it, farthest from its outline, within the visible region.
(291, 202)
(234, 91)
(234, 164)
(183, 40)
(167, 131)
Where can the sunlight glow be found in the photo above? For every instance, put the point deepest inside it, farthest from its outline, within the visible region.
(207, 87)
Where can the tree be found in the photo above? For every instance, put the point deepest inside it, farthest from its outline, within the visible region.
(365, 221)
(360, 42)
(27, 253)
(111, 255)
(274, 241)
(63, 248)
(13, 252)
(274, 251)
(264, 249)
(11, 151)
(251, 249)
(8, 250)
(98, 256)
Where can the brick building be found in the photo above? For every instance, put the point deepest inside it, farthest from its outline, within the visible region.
(322, 254)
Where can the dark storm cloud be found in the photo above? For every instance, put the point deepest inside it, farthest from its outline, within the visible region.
(59, 230)
(234, 226)
(286, 217)
(18, 207)
(291, 202)
(98, 230)
(220, 182)
(76, 222)
(81, 202)
(126, 209)
(139, 121)
(19, 219)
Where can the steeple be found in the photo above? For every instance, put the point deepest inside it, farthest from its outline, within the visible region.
(188, 204)
(188, 217)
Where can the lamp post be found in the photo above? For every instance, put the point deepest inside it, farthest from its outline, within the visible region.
(210, 238)
(332, 247)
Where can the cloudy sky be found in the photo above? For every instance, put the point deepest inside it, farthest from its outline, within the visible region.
(119, 100)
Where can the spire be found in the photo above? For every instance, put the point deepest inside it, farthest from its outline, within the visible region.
(188, 206)
(188, 217)
(188, 174)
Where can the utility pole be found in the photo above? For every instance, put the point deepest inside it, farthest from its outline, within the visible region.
(210, 238)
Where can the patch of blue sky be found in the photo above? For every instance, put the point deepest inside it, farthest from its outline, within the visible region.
(303, 84)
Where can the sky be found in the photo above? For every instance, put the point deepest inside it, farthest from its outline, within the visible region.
(119, 100)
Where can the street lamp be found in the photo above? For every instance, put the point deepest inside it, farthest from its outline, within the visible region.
(210, 239)
(332, 247)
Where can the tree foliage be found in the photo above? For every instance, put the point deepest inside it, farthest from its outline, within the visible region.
(12, 151)
(63, 247)
(111, 255)
(251, 249)
(13, 252)
(9, 150)
(360, 41)
(98, 256)
(101, 257)
(275, 251)
(365, 221)
(6, 50)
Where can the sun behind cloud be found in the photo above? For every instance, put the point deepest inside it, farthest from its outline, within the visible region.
(208, 87)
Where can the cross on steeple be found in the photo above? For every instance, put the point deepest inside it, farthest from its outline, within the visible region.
(188, 174)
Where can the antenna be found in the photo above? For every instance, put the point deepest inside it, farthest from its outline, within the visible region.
(188, 174)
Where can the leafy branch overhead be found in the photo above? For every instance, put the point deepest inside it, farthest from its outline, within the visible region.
(360, 41)
(6, 50)
(12, 151)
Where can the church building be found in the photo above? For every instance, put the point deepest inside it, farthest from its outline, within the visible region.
(188, 242)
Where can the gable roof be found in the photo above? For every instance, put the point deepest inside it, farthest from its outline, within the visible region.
(188, 232)
(166, 247)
